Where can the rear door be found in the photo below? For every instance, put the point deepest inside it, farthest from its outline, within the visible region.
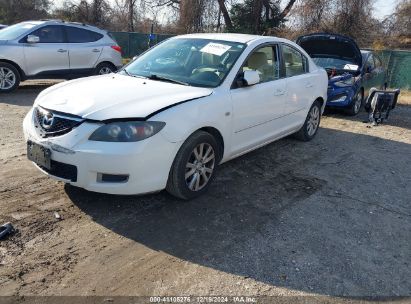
(50, 55)
(84, 48)
(299, 80)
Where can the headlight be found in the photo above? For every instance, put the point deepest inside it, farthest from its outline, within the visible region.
(127, 131)
(345, 83)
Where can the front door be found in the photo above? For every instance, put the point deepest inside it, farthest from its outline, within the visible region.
(257, 108)
(48, 57)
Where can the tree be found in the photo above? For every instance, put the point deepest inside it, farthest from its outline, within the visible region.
(13, 11)
(259, 16)
(398, 26)
(226, 16)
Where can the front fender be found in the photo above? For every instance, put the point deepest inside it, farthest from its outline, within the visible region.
(184, 119)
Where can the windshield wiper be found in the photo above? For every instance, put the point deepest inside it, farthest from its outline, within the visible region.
(161, 78)
(133, 75)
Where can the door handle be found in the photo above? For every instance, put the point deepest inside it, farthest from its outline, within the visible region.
(96, 51)
(308, 84)
(279, 92)
(62, 51)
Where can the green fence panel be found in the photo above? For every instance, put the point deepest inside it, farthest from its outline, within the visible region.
(133, 44)
(398, 64)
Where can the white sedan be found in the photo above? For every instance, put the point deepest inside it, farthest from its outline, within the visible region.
(166, 120)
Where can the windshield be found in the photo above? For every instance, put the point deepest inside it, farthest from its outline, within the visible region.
(334, 63)
(190, 61)
(15, 31)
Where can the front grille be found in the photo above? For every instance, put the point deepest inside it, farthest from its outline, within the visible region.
(51, 123)
(62, 170)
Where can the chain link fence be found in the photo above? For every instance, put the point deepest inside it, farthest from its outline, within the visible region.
(398, 63)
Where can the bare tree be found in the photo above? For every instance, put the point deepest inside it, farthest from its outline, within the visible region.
(12, 11)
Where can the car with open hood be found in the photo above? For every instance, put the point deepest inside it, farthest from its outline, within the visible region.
(167, 119)
(351, 72)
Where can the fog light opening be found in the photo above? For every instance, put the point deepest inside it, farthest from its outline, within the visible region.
(112, 178)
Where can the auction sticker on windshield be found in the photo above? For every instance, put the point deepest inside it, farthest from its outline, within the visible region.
(215, 48)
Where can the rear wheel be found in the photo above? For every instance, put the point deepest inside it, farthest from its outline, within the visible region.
(311, 124)
(356, 104)
(105, 68)
(9, 77)
(194, 167)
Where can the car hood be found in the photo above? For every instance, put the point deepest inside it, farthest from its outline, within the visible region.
(332, 46)
(116, 96)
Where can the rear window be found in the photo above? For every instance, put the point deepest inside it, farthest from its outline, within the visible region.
(77, 35)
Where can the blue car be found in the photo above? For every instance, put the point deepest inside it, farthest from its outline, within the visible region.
(351, 72)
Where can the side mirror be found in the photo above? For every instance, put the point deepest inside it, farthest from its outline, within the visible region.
(33, 39)
(134, 58)
(368, 70)
(251, 78)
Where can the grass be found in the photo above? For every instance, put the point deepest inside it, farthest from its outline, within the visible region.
(126, 60)
(405, 97)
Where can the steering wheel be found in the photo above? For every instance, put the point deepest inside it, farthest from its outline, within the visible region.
(220, 68)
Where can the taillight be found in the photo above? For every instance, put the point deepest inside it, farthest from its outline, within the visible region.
(116, 48)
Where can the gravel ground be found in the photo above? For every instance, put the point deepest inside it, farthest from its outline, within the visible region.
(328, 217)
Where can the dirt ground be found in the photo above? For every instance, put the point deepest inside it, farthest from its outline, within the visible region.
(328, 217)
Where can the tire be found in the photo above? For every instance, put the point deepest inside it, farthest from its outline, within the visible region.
(357, 103)
(9, 77)
(190, 176)
(311, 124)
(105, 68)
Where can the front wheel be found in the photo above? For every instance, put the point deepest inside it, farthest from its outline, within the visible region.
(311, 124)
(356, 104)
(194, 166)
(9, 77)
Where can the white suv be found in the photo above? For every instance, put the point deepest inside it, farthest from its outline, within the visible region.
(54, 49)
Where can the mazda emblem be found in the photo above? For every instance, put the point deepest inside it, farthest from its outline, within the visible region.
(47, 121)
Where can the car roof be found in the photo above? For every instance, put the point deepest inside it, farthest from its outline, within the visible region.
(61, 22)
(240, 38)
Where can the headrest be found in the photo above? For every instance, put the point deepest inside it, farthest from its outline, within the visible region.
(288, 57)
(257, 60)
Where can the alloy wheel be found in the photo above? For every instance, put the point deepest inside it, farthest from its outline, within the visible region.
(105, 70)
(357, 102)
(7, 78)
(313, 121)
(200, 166)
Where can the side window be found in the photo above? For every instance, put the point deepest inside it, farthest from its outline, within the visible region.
(77, 35)
(265, 61)
(49, 34)
(295, 62)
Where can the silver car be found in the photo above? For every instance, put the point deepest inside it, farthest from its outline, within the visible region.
(52, 49)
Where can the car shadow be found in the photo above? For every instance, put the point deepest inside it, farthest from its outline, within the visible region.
(290, 214)
(26, 93)
(399, 117)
